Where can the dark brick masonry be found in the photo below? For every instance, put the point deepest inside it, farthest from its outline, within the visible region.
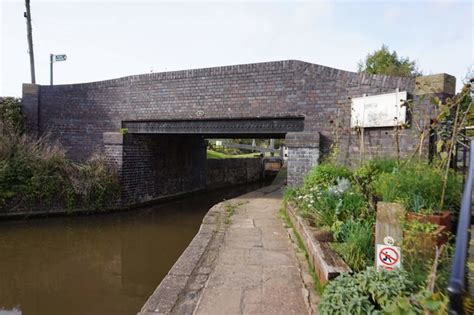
(81, 115)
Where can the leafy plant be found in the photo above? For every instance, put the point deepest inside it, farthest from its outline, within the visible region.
(423, 302)
(326, 175)
(366, 292)
(417, 184)
(419, 227)
(323, 207)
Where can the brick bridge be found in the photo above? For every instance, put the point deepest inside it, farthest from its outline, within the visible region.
(168, 116)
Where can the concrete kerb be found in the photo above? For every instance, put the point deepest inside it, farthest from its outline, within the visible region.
(167, 294)
(326, 262)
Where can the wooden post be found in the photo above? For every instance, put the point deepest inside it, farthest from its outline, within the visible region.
(388, 225)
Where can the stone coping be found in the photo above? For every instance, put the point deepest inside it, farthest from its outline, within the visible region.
(327, 263)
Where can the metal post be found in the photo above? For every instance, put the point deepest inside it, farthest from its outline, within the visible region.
(51, 56)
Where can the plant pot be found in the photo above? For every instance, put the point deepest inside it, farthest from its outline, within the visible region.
(427, 241)
(442, 218)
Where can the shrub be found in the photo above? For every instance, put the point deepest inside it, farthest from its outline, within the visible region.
(94, 183)
(30, 171)
(37, 173)
(418, 186)
(11, 117)
(326, 175)
(367, 292)
(365, 175)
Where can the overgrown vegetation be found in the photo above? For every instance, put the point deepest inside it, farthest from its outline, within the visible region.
(418, 186)
(35, 173)
(343, 201)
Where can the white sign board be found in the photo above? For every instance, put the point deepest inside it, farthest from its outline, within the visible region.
(388, 257)
(383, 110)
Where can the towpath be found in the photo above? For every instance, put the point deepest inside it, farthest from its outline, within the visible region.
(240, 262)
(256, 270)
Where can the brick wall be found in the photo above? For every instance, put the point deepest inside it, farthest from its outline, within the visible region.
(78, 115)
(156, 166)
(228, 172)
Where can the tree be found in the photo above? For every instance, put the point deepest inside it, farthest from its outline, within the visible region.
(383, 61)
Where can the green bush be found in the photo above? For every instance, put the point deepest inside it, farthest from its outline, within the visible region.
(367, 292)
(11, 117)
(366, 174)
(29, 171)
(94, 183)
(356, 244)
(36, 173)
(418, 186)
(326, 175)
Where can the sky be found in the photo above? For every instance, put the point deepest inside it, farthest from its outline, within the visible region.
(109, 39)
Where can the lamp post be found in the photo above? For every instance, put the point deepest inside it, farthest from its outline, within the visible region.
(52, 59)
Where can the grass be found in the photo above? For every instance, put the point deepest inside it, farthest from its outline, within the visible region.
(318, 286)
(219, 155)
(230, 210)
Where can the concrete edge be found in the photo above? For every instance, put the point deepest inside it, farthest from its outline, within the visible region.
(167, 294)
(61, 211)
(327, 263)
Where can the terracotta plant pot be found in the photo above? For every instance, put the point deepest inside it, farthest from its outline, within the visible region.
(428, 241)
(443, 218)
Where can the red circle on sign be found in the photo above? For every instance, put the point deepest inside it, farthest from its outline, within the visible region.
(391, 256)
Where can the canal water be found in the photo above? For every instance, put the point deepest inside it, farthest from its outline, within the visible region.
(98, 264)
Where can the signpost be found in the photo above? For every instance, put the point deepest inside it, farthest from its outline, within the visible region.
(388, 257)
(52, 59)
(388, 235)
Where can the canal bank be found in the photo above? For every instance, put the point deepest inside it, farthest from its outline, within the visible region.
(240, 262)
(217, 174)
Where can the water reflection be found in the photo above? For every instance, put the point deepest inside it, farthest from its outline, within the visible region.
(106, 264)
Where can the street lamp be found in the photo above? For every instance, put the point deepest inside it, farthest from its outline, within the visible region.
(52, 59)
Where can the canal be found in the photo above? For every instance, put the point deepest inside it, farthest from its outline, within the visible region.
(97, 264)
